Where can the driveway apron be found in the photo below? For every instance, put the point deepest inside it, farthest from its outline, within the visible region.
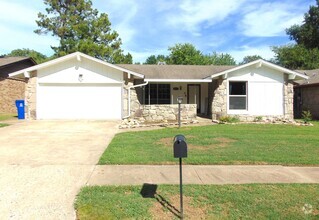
(43, 164)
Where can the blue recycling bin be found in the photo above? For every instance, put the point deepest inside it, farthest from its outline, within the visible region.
(20, 108)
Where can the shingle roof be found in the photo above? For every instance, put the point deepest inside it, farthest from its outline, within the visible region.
(8, 60)
(313, 77)
(175, 71)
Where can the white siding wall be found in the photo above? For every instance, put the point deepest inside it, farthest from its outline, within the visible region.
(69, 71)
(265, 91)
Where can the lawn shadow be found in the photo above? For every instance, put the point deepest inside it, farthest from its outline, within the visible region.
(149, 191)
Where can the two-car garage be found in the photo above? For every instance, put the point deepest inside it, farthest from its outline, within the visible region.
(76, 86)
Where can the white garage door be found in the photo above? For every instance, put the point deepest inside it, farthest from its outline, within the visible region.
(79, 101)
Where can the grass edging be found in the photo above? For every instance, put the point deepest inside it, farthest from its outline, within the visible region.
(251, 201)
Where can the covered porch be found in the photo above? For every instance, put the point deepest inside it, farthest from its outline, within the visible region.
(166, 93)
(157, 100)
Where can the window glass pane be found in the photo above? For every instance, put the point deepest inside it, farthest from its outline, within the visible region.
(237, 88)
(158, 93)
(238, 103)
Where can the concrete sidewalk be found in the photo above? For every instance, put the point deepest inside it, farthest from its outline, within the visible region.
(198, 174)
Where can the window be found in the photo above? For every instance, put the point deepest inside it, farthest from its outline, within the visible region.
(157, 94)
(237, 95)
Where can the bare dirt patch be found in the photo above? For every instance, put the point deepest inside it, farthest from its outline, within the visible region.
(221, 142)
(170, 209)
(168, 142)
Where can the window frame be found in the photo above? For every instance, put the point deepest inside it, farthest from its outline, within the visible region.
(237, 111)
(158, 93)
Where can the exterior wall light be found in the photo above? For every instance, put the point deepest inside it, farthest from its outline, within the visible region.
(80, 77)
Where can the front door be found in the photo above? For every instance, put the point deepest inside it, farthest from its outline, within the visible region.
(193, 95)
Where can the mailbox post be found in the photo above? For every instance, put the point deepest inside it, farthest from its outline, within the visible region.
(179, 101)
(180, 151)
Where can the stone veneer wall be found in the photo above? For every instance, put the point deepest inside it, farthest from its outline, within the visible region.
(219, 98)
(31, 96)
(160, 113)
(288, 100)
(10, 90)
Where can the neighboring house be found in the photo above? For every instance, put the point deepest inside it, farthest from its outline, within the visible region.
(12, 89)
(78, 86)
(307, 94)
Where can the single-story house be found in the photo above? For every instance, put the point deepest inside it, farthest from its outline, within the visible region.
(12, 89)
(78, 86)
(307, 94)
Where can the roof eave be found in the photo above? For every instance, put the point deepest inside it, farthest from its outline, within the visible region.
(67, 57)
(261, 62)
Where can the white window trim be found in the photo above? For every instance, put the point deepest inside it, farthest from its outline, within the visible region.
(237, 112)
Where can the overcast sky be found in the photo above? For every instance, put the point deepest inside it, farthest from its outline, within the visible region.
(146, 27)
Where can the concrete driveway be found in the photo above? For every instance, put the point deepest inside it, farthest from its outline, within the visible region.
(43, 164)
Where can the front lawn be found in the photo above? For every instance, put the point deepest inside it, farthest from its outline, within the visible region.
(254, 201)
(219, 144)
(7, 116)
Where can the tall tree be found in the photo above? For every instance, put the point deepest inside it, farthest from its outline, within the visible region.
(156, 59)
(305, 53)
(37, 56)
(219, 59)
(297, 57)
(250, 58)
(307, 34)
(185, 54)
(79, 27)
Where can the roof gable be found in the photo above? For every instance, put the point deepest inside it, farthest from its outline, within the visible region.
(258, 64)
(76, 55)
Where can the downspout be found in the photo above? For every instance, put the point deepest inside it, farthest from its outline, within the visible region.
(129, 97)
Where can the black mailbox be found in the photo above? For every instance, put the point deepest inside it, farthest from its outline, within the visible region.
(180, 146)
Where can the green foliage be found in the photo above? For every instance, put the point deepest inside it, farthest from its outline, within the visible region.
(187, 54)
(250, 201)
(305, 54)
(296, 57)
(79, 27)
(219, 144)
(258, 119)
(37, 56)
(229, 119)
(307, 34)
(219, 59)
(248, 59)
(156, 59)
(306, 116)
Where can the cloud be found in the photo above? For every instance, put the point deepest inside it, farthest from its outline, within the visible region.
(270, 19)
(239, 53)
(122, 15)
(192, 15)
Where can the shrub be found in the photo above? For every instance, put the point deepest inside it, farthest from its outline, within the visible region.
(258, 119)
(229, 119)
(306, 116)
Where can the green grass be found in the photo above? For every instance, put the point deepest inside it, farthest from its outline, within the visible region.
(7, 116)
(219, 144)
(253, 201)
(3, 125)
